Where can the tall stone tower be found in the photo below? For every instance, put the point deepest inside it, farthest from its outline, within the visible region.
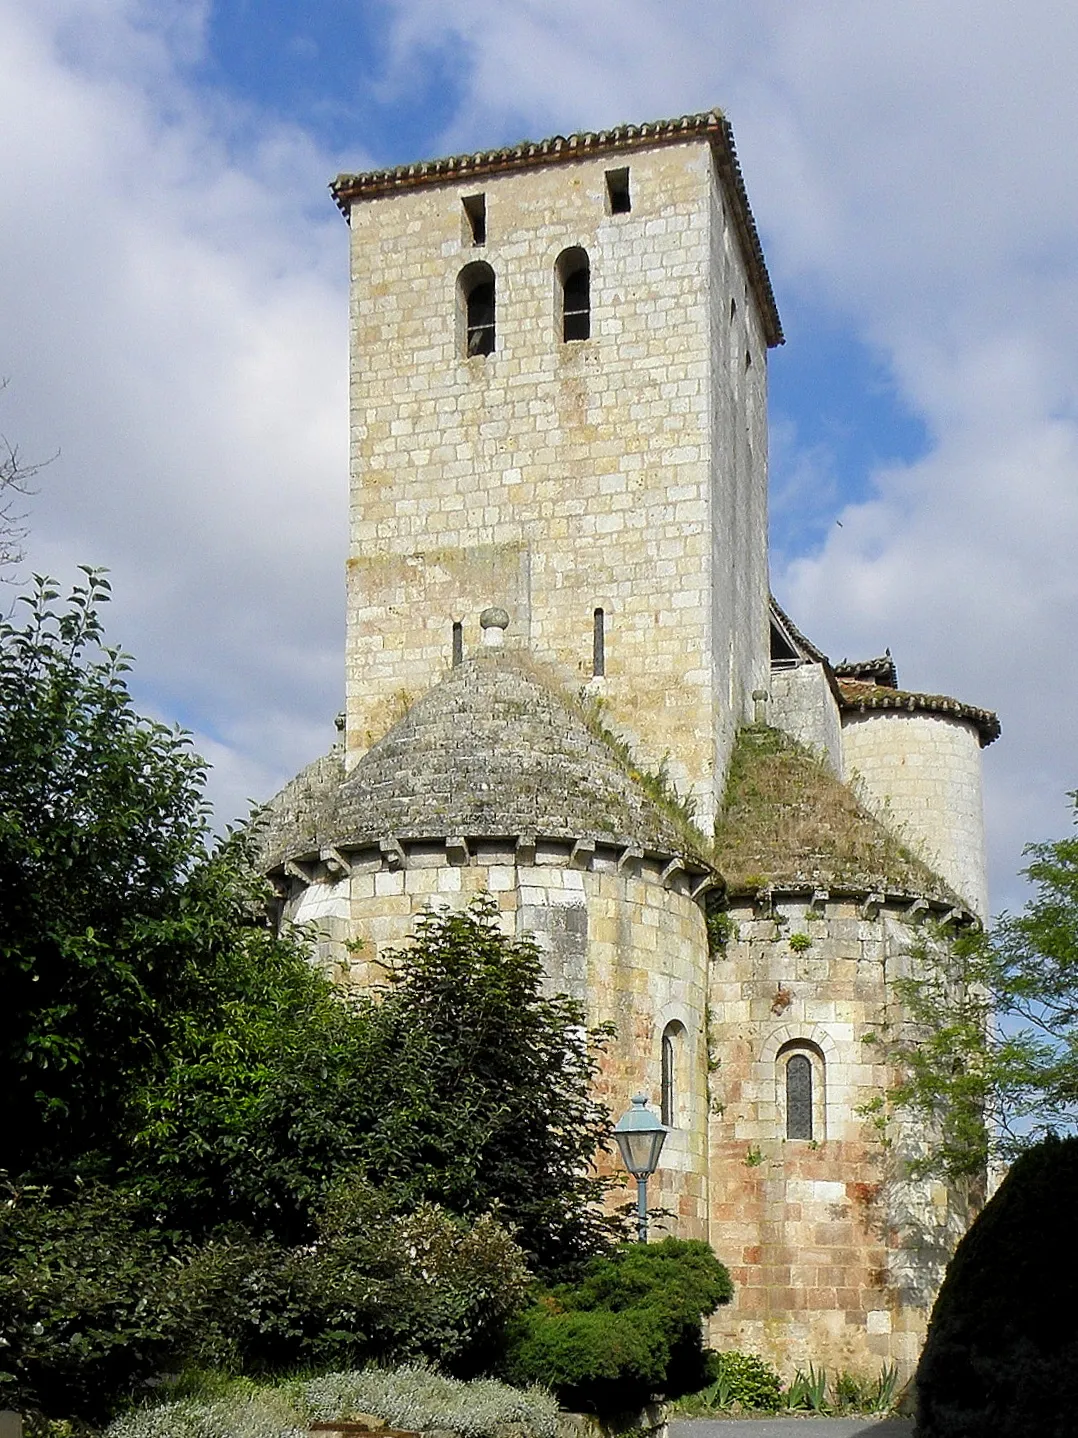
(559, 407)
(557, 586)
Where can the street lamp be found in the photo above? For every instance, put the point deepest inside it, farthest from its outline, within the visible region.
(640, 1137)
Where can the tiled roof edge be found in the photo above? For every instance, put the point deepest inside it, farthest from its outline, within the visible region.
(861, 697)
(710, 124)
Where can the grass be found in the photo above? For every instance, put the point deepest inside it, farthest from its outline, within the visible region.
(788, 821)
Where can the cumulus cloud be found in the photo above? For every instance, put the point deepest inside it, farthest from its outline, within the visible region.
(175, 308)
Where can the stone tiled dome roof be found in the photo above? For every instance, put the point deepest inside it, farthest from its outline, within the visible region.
(492, 749)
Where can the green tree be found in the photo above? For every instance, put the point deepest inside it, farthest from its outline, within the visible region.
(101, 826)
(988, 1035)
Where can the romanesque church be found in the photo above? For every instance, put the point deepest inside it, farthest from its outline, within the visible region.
(567, 685)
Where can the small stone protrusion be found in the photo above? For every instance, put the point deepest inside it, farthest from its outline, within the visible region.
(494, 621)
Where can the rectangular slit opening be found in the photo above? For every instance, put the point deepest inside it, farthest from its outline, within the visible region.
(475, 219)
(598, 644)
(458, 644)
(617, 191)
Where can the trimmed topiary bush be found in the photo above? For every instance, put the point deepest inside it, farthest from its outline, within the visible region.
(1001, 1356)
(630, 1330)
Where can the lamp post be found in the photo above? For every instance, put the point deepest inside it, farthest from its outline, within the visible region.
(640, 1137)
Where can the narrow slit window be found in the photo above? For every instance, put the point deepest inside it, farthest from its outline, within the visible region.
(476, 286)
(617, 191)
(799, 1097)
(668, 1092)
(475, 219)
(598, 644)
(574, 284)
(458, 643)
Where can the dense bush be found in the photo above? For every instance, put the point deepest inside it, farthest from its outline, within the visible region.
(374, 1286)
(87, 1305)
(93, 1300)
(631, 1329)
(1001, 1355)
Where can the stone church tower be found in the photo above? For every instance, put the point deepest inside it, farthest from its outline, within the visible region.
(567, 686)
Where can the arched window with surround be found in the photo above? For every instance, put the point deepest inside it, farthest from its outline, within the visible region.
(671, 1059)
(800, 1079)
(475, 286)
(573, 273)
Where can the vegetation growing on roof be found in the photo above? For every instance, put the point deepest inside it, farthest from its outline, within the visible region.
(678, 808)
(788, 821)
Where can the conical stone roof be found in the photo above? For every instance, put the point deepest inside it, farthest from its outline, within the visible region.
(789, 823)
(492, 750)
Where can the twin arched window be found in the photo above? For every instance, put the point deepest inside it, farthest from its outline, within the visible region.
(476, 302)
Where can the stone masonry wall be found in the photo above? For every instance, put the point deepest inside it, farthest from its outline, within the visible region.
(802, 705)
(921, 774)
(625, 472)
(632, 948)
(834, 1260)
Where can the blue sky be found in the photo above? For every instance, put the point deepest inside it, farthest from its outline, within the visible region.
(172, 281)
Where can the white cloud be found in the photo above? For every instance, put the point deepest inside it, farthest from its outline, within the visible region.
(175, 326)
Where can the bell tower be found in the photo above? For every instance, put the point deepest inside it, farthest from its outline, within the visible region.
(558, 407)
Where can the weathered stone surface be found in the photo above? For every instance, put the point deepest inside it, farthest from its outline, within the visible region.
(490, 750)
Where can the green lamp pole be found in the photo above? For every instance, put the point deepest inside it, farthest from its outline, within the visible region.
(640, 1137)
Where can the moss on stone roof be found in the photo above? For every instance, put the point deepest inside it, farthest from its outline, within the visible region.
(491, 750)
(788, 822)
(858, 696)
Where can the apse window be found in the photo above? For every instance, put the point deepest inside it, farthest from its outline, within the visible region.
(475, 219)
(476, 290)
(574, 284)
(617, 191)
(799, 1096)
(672, 1042)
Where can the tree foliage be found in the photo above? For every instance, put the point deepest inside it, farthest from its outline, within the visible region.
(1001, 1355)
(101, 825)
(988, 1039)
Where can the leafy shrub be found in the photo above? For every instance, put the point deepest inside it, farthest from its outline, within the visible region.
(628, 1330)
(1001, 1354)
(743, 1380)
(374, 1286)
(412, 1397)
(86, 1306)
(417, 1398)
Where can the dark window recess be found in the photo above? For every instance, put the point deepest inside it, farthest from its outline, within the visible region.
(733, 307)
(458, 644)
(617, 191)
(475, 213)
(598, 644)
(481, 318)
(668, 1091)
(798, 1097)
(576, 314)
